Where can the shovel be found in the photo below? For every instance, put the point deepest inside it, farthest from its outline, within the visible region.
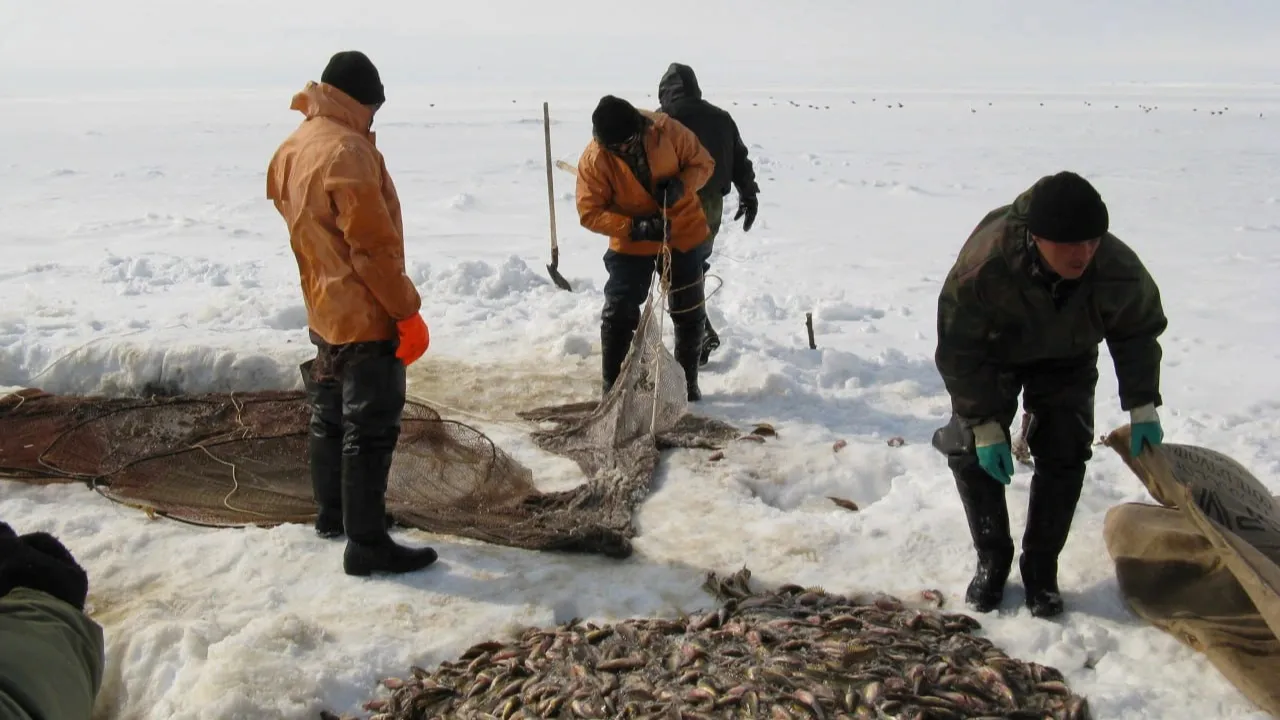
(553, 268)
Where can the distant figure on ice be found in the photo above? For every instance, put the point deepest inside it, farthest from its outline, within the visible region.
(1036, 288)
(331, 186)
(681, 98)
(51, 654)
(636, 165)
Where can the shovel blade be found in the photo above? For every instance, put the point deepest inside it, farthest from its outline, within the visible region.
(558, 279)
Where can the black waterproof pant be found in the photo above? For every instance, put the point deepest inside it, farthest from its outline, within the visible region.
(357, 395)
(1059, 396)
(713, 208)
(625, 293)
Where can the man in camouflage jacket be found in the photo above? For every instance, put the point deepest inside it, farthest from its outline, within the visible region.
(1037, 287)
(52, 655)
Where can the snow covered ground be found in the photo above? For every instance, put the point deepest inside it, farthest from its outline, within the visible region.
(139, 251)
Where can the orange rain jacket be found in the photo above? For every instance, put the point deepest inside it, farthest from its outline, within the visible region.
(330, 184)
(609, 195)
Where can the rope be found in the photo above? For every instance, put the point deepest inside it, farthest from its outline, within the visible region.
(671, 291)
(152, 512)
(431, 402)
(21, 399)
(668, 291)
(695, 306)
(93, 480)
(664, 303)
(664, 285)
(244, 431)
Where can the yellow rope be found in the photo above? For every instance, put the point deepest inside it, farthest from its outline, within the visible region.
(664, 298)
(235, 480)
(695, 306)
(514, 423)
(21, 399)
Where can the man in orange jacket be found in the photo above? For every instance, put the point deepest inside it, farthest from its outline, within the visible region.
(330, 184)
(638, 166)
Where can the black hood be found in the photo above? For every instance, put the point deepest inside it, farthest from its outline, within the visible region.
(678, 83)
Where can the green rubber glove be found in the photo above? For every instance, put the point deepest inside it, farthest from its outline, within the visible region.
(994, 453)
(1144, 427)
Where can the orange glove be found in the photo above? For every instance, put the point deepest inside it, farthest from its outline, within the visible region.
(414, 338)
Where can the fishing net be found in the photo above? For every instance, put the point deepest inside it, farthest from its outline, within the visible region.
(236, 459)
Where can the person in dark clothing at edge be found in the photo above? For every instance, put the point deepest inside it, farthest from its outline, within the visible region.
(330, 183)
(680, 97)
(636, 165)
(1036, 288)
(52, 655)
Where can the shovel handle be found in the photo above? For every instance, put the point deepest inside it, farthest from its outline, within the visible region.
(551, 196)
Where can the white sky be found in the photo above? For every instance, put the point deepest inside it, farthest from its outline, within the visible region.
(749, 43)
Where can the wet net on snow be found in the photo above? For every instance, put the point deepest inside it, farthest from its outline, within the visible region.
(235, 459)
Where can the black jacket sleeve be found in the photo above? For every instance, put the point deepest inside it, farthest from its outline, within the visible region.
(744, 175)
(962, 357)
(1132, 333)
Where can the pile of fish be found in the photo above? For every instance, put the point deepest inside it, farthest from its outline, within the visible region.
(792, 652)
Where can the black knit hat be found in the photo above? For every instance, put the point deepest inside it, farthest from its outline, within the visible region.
(353, 73)
(1065, 208)
(614, 120)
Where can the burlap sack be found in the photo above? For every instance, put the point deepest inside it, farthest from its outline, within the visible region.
(1204, 569)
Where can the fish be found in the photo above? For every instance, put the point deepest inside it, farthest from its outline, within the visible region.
(631, 662)
(789, 652)
(479, 649)
(1055, 687)
(698, 695)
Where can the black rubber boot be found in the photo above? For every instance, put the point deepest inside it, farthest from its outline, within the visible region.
(1054, 494)
(988, 517)
(324, 452)
(369, 548)
(710, 341)
(688, 351)
(1040, 578)
(615, 342)
(324, 455)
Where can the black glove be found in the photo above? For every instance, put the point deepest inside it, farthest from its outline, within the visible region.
(670, 191)
(39, 562)
(647, 228)
(747, 205)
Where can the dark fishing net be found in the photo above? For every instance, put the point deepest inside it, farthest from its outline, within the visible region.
(234, 459)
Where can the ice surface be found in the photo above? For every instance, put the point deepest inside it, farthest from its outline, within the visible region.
(140, 251)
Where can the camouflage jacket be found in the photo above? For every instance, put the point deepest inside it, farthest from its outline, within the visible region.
(1000, 309)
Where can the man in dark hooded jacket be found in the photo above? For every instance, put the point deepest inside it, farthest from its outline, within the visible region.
(681, 98)
(1037, 287)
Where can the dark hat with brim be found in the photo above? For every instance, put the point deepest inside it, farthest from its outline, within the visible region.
(352, 72)
(1065, 208)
